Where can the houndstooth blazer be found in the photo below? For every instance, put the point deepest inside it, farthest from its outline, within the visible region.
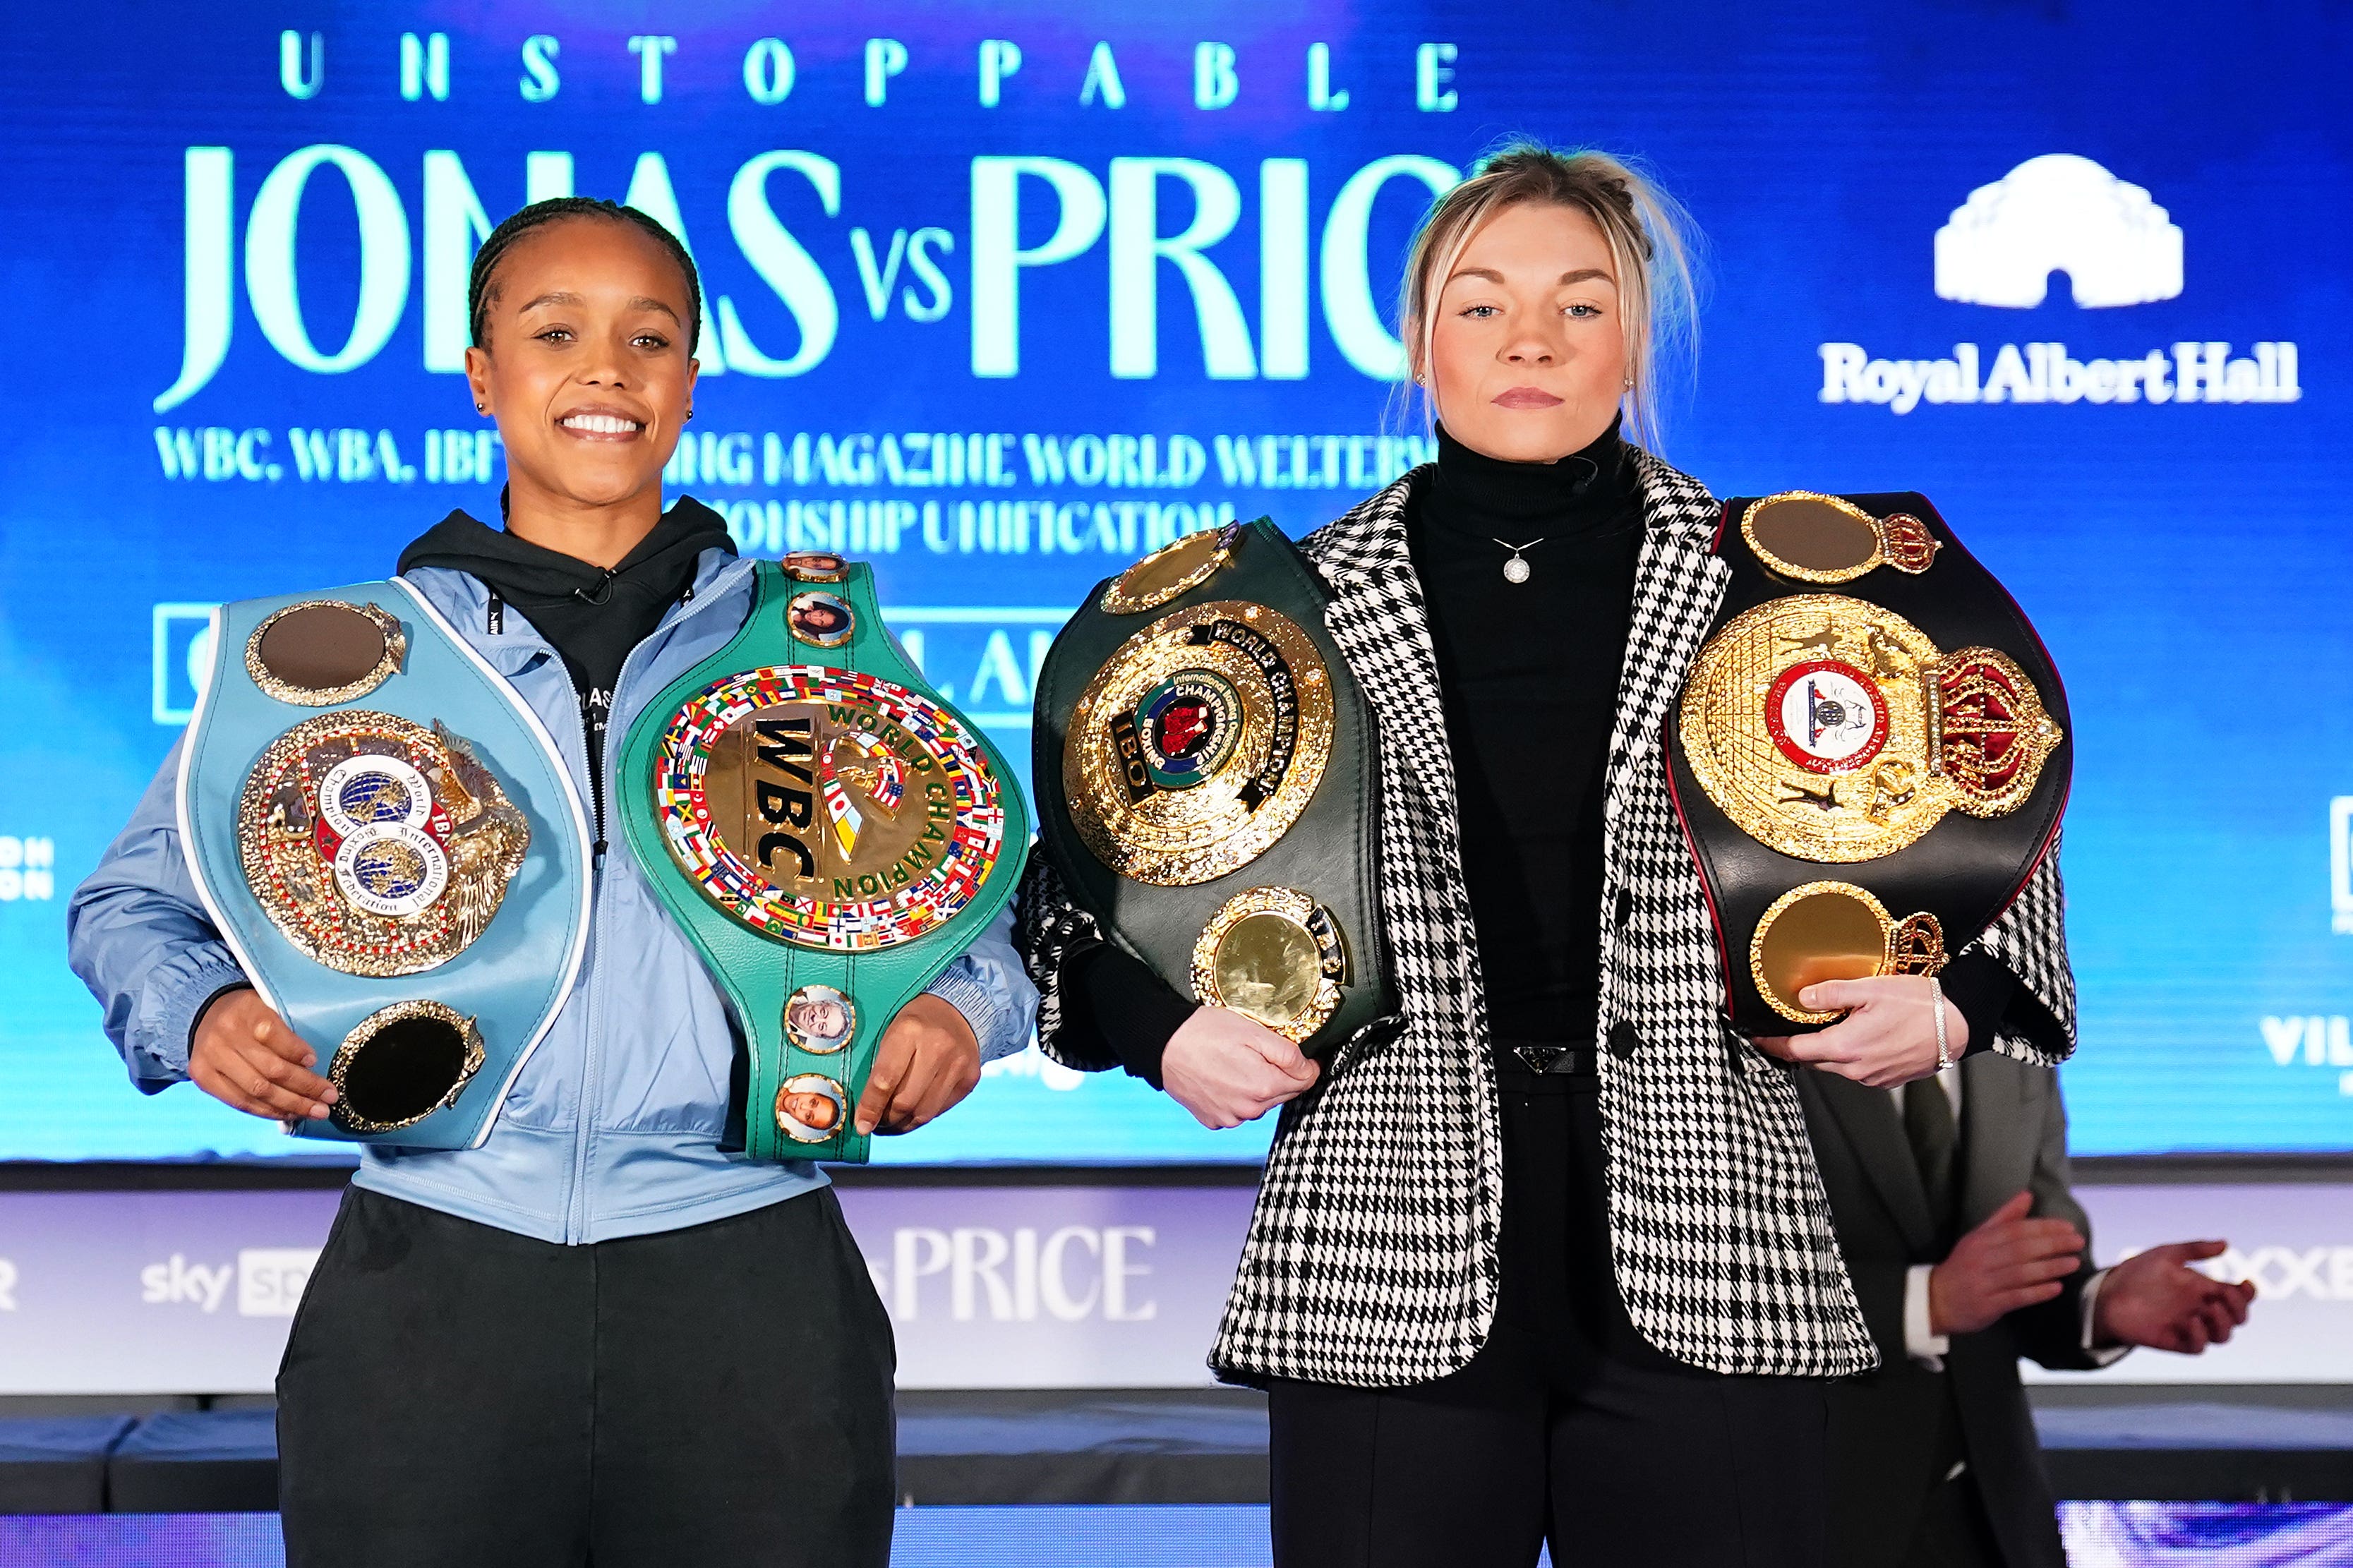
(1371, 1259)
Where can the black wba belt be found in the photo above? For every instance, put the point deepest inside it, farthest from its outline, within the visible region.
(1205, 772)
(1870, 754)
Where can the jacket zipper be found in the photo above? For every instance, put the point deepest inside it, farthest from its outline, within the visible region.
(575, 1224)
(595, 710)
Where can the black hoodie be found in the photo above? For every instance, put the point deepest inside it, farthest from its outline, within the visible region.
(592, 615)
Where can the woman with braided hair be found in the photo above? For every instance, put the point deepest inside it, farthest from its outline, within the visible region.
(1551, 1260)
(602, 1334)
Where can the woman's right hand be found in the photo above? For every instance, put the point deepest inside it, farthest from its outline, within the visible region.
(247, 1056)
(1227, 1069)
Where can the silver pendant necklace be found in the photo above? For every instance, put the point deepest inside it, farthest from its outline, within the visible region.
(1515, 570)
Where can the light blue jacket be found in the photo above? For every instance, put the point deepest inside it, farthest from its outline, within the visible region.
(612, 1127)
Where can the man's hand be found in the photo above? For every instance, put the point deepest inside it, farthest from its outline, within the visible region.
(247, 1056)
(928, 1060)
(1227, 1069)
(2156, 1299)
(2008, 1262)
(1887, 1037)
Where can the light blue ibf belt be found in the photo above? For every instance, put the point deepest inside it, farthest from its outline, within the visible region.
(384, 836)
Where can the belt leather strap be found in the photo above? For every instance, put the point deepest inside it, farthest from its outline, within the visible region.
(383, 832)
(1785, 788)
(1206, 773)
(826, 831)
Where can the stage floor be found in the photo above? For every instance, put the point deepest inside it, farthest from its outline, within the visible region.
(2099, 1535)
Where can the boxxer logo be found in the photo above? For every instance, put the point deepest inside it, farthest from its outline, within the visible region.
(2061, 213)
(2058, 213)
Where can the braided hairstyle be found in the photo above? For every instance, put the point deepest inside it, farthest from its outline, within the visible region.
(483, 288)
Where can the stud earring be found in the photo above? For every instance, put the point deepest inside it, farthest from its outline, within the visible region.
(690, 414)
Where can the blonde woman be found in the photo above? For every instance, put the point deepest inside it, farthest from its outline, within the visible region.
(1554, 1261)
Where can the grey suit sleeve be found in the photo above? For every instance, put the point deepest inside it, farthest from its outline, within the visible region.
(2051, 1332)
(2031, 940)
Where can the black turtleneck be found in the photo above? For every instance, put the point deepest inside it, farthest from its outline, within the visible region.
(1528, 673)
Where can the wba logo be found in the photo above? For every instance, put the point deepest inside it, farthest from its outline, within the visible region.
(2061, 213)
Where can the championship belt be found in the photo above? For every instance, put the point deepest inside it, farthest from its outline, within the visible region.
(1205, 772)
(827, 831)
(1870, 754)
(381, 831)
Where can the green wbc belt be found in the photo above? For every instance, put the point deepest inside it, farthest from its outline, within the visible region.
(828, 831)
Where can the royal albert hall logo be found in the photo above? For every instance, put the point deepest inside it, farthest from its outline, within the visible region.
(2061, 213)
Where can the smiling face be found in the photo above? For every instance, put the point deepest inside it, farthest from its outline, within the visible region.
(585, 366)
(1527, 352)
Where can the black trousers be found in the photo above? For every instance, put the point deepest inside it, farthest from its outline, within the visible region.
(455, 1395)
(1954, 1531)
(1568, 1427)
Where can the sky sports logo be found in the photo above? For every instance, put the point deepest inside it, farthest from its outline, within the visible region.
(269, 1280)
(2059, 215)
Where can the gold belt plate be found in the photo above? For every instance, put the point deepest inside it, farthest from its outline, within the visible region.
(1199, 743)
(1273, 954)
(827, 809)
(375, 846)
(1832, 730)
(1835, 931)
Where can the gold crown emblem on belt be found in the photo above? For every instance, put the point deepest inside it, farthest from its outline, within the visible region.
(1833, 729)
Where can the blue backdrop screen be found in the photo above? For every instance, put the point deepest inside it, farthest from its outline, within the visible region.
(1002, 296)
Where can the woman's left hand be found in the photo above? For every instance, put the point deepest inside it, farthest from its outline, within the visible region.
(1887, 1037)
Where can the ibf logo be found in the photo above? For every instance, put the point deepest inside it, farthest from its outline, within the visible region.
(183, 659)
